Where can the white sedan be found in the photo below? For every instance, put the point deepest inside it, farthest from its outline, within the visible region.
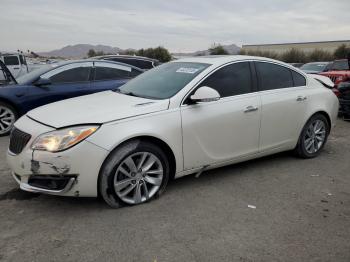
(180, 118)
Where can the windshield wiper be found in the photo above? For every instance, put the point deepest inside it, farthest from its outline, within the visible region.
(126, 93)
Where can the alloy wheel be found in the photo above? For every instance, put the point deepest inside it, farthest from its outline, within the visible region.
(315, 136)
(7, 119)
(138, 177)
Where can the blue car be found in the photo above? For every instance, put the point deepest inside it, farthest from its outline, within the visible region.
(57, 82)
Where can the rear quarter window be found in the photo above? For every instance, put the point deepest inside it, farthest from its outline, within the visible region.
(298, 79)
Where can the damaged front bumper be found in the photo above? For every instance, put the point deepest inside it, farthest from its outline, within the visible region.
(73, 172)
(26, 185)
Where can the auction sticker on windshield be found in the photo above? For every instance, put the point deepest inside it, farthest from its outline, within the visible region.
(188, 70)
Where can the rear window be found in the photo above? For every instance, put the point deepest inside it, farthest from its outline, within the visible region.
(11, 60)
(108, 73)
(143, 64)
(273, 76)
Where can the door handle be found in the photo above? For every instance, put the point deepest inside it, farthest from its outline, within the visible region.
(250, 109)
(301, 98)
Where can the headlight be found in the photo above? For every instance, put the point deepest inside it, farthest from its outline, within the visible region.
(62, 139)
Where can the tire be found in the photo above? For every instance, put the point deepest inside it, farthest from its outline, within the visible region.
(311, 143)
(8, 116)
(123, 183)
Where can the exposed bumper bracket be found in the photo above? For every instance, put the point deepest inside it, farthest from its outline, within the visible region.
(29, 188)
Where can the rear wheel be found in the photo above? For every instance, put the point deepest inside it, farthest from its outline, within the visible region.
(133, 174)
(8, 117)
(313, 137)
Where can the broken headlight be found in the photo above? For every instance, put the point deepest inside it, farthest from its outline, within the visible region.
(62, 139)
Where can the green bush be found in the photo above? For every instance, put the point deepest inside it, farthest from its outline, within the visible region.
(320, 55)
(342, 52)
(217, 50)
(298, 56)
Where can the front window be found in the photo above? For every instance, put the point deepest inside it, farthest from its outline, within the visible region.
(164, 81)
(70, 73)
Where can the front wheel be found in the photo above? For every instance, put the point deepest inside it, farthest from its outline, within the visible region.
(133, 174)
(8, 117)
(313, 137)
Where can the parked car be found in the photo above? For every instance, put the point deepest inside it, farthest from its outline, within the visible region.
(180, 118)
(52, 83)
(315, 67)
(16, 63)
(338, 72)
(144, 63)
(344, 99)
(5, 75)
(297, 65)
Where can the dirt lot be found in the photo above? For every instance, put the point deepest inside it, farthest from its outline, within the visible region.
(302, 214)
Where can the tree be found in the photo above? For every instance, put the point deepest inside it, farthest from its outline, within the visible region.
(320, 55)
(217, 50)
(342, 52)
(294, 56)
(91, 53)
(160, 53)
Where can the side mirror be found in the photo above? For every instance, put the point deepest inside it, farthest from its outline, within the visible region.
(205, 94)
(42, 82)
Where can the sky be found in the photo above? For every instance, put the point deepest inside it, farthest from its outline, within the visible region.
(180, 25)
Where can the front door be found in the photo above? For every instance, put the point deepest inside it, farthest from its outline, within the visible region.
(226, 129)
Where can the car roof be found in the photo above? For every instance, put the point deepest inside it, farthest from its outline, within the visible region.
(93, 60)
(127, 56)
(222, 59)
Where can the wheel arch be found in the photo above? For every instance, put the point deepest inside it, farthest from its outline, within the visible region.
(152, 139)
(7, 101)
(326, 115)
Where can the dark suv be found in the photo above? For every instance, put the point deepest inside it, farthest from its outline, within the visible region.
(141, 62)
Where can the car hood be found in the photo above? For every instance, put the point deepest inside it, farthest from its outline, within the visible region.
(336, 73)
(97, 108)
(310, 71)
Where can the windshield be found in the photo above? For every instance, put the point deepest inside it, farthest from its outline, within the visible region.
(163, 81)
(24, 79)
(318, 67)
(340, 65)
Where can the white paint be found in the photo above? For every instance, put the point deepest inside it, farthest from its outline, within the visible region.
(201, 136)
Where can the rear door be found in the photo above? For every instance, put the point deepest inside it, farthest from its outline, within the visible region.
(111, 76)
(284, 100)
(223, 130)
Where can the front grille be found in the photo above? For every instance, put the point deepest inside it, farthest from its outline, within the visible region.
(18, 140)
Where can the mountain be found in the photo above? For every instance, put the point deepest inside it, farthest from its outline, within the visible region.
(231, 49)
(80, 50)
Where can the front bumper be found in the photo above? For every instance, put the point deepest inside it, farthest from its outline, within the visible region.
(25, 185)
(73, 172)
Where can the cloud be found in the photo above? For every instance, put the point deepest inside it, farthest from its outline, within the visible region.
(178, 25)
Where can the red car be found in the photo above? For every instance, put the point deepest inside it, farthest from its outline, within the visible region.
(338, 72)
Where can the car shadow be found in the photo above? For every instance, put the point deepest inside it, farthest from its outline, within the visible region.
(186, 183)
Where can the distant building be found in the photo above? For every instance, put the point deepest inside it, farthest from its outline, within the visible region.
(305, 46)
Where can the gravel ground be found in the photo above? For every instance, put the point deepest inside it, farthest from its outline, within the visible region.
(302, 214)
